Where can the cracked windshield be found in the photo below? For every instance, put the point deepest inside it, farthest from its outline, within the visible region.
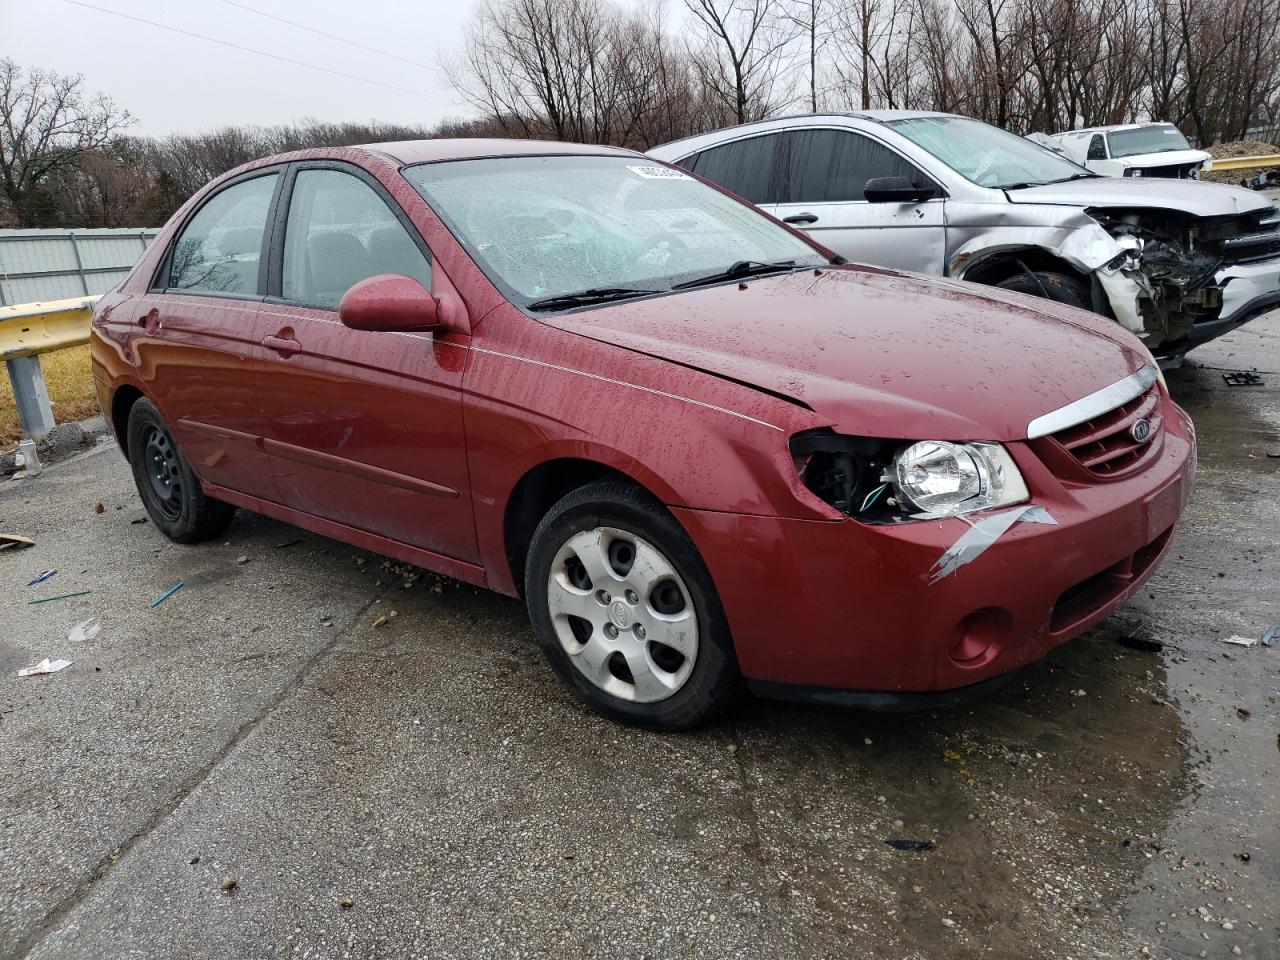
(547, 227)
(987, 155)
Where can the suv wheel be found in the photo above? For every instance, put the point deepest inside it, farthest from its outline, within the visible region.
(169, 490)
(625, 610)
(1050, 286)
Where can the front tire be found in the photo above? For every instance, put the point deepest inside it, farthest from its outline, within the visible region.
(1050, 286)
(169, 489)
(625, 610)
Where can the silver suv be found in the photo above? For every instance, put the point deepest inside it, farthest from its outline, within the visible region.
(1177, 262)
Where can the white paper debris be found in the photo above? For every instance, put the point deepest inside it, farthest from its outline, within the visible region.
(44, 666)
(85, 630)
(1239, 641)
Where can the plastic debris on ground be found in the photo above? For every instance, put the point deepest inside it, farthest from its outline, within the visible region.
(914, 846)
(62, 596)
(1136, 639)
(1270, 635)
(42, 577)
(1242, 378)
(44, 666)
(167, 594)
(15, 541)
(84, 630)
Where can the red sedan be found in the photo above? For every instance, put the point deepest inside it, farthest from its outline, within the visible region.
(701, 447)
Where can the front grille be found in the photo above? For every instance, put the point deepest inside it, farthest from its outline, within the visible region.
(1105, 445)
(1172, 171)
(1244, 239)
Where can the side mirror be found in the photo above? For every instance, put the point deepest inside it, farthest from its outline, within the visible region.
(389, 301)
(895, 190)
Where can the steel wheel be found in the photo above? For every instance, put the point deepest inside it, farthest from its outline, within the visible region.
(164, 472)
(623, 615)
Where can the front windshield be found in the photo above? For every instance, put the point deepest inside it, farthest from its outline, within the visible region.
(1157, 138)
(550, 226)
(987, 155)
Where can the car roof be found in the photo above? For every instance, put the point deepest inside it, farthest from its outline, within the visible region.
(466, 148)
(869, 116)
(1112, 128)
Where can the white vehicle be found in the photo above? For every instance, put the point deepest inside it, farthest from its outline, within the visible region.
(1135, 150)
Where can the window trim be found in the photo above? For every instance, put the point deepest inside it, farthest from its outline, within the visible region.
(160, 279)
(782, 188)
(773, 191)
(275, 263)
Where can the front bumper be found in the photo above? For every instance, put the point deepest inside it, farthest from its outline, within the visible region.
(844, 606)
(1248, 291)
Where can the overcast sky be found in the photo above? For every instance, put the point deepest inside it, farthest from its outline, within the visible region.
(171, 82)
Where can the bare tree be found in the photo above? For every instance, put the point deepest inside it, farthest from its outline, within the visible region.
(741, 53)
(47, 124)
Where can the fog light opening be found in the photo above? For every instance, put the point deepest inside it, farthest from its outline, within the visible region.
(978, 636)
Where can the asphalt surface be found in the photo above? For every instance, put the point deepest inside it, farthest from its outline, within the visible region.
(253, 769)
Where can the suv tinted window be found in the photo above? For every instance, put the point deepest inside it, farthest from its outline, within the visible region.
(745, 166)
(827, 166)
(220, 249)
(1097, 149)
(340, 232)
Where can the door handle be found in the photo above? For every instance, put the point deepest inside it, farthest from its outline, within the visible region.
(285, 346)
(805, 217)
(150, 321)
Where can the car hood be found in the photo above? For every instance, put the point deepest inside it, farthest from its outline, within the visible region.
(1191, 196)
(880, 353)
(1165, 158)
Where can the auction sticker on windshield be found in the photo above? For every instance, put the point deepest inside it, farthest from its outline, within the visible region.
(657, 173)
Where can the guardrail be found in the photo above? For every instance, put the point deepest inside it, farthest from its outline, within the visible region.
(1246, 163)
(28, 330)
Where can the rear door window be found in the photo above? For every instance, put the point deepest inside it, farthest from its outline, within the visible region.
(339, 232)
(830, 166)
(1097, 148)
(746, 167)
(220, 248)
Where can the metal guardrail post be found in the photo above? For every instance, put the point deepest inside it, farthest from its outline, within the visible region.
(34, 409)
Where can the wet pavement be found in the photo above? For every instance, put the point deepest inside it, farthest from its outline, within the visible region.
(428, 789)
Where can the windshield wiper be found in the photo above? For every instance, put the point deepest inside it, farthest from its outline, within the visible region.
(1076, 176)
(586, 297)
(1022, 185)
(743, 268)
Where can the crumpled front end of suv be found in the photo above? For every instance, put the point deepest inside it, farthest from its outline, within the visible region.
(1171, 277)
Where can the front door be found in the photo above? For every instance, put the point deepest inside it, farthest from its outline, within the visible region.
(821, 178)
(199, 346)
(363, 428)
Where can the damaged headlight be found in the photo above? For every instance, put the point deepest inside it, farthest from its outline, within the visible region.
(939, 478)
(887, 481)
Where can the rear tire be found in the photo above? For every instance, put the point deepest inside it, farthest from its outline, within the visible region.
(1058, 287)
(170, 491)
(625, 610)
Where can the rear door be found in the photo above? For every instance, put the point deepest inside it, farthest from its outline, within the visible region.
(822, 173)
(364, 428)
(199, 347)
(747, 167)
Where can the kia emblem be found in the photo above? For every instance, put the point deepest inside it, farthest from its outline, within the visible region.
(1141, 431)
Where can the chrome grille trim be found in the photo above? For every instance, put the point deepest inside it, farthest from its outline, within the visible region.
(1098, 402)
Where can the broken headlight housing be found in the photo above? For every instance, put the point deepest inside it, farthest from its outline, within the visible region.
(889, 481)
